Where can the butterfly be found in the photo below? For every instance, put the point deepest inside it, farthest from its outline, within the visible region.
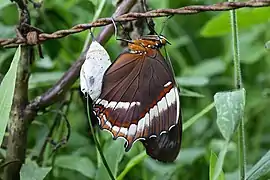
(139, 100)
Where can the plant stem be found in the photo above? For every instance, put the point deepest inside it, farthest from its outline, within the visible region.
(97, 143)
(220, 160)
(236, 50)
(238, 85)
(242, 150)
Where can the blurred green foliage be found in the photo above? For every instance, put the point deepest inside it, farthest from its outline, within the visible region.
(201, 54)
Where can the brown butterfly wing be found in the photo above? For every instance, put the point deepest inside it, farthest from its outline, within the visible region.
(166, 146)
(139, 100)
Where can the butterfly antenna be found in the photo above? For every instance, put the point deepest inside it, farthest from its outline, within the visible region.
(164, 23)
(150, 23)
(169, 60)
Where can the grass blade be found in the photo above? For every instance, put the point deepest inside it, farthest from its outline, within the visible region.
(6, 93)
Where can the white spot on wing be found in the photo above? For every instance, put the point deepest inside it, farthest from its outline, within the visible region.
(117, 105)
(177, 104)
(147, 120)
(109, 124)
(112, 104)
(171, 98)
(126, 105)
(135, 103)
(153, 113)
(122, 105)
(115, 128)
(167, 84)
(132, 130)
(162, 104)
(141, 124)
(103, 102)
(124, 130)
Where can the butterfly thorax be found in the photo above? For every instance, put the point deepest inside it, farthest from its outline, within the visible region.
(147, 45)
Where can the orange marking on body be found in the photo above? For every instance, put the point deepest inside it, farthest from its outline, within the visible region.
(145, 43)
(135, 47)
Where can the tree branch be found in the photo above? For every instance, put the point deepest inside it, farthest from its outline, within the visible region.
(225, 6)
(17, 139)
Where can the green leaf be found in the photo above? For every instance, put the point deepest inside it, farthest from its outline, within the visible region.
(192, 81)
(45, 63)
(133, 162)
(31, 171)
(261, 168)
(165, 171)
(160, 169)
(249, 57)
(189, 155)
(207, 68)
(218, 144)
(220, 161)
(220, 24)
(213, 161)
(230, 109)
(77, 163)
(44, 79)
(113, 154)
(6, 31)
(4, 56)
(4, 3)
(189, 93)
(232, 175)
(94, 2)
(267, 45)
(197, 116)
(6, 93)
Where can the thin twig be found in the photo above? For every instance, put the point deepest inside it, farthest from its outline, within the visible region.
(225, 6)
(59, 114)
